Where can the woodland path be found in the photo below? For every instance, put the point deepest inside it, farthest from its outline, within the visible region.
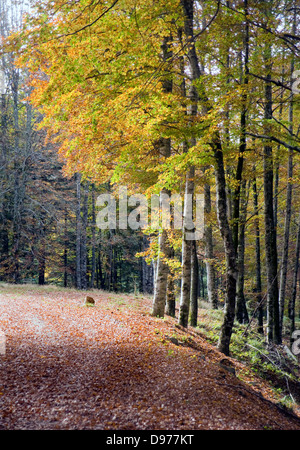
(113, 366)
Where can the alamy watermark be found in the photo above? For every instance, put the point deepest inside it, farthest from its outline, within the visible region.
(159, 212)
(296, 343)
(296, 83)
(2, 342)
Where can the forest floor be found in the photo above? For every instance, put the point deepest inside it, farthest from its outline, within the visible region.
(115, 367)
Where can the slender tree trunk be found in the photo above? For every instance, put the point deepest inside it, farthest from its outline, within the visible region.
(78, 231)
(93, 271)
(17, 187)
(83, 242)
(160, 288)
(186, 250)
(273, 331)
(201, 288)
(115, 271)
(161, 276)
(171, 301)
(99, 262)
(277, 158)
(147, 269)
(285, 253)
(288, 207)
(212, 291)
(230, 253)
(194, 286)
(161, 269)
(243, 141)
(241, 308)
(258, 287)
(111, 260)
(42, 257)
(292, 301)
(194, 68)
(65, 251)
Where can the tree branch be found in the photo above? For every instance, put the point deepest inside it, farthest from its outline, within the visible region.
(92, 23)
(275, 139)
(278, 83)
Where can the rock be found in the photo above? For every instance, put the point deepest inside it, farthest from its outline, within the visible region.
(227, 365)
(173, 340)
(89, 301)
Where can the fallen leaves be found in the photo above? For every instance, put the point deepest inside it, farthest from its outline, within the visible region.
(114, 367)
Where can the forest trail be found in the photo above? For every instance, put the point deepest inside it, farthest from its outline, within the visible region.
(114, 367)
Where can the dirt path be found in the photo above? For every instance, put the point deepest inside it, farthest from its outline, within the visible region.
(113, 367)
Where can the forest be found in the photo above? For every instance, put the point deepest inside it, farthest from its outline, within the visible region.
(164, 97)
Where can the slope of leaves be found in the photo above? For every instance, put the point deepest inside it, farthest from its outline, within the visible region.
(113, 366)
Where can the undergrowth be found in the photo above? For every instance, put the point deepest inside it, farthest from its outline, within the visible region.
(275, 363)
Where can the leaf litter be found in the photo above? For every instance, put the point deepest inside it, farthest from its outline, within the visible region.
(114, 366)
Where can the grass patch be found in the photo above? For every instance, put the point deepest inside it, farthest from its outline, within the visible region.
(272, 363)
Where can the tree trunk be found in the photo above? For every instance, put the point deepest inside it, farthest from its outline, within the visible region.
(243, 142)
(212, 292)
(292, 301)
(93, 270)
(171, 301)
(241, 308)
(147, 270)
(273, 326)
(194, 286)
(17, 186)
(160, 289)
(111, 260)
(100, 277)
(194, 68)
(258, 287)
(161, 276)
(83, 241)
(288, 207)
(42, 258)
(186, 250)
(230, 254)
(65, 251)
(78, 231)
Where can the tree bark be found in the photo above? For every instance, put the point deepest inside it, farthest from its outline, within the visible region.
(230, 253)
(273, 326)
(160, 289)
(212, 292)
(78, 230)
(42, 257)
(17, 185)
(288, 208)
(216, 145)
(292, 301)
(185, 292)
(194, 286)
(194, 68)
(93, 269)
(258, 287)
(83, 240)
(243, 141)
(161, 276)
(241, 308)
(171, 301)
(65, 250)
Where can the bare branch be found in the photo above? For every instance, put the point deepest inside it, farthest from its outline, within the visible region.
(275, 139)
